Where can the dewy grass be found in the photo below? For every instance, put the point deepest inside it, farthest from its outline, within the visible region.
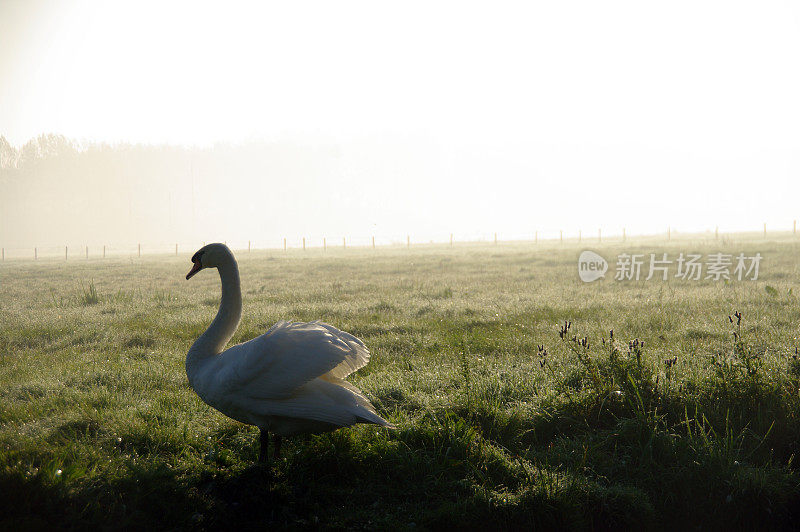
(90, 296)
(648, 412)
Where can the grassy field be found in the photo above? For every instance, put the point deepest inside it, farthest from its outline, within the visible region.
(503, 420)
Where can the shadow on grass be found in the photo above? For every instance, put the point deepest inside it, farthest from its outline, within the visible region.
(713, 453)
(132, 499)
(448, 470)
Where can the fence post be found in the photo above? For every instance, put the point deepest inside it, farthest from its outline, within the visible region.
(304, 243)
(284, 243)
(104, 251)
(176, 249)
(561, 235)
(495, 239)
(324, 244)
(248, 246)
(344, 242)
(794, 227)
(408, 241)
(140, 250)
(65, 252)
(373, 242)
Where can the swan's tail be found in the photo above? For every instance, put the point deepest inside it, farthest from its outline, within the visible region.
(365, 412)
(372, 417)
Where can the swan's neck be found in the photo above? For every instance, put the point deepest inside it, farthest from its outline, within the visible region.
(219, 333)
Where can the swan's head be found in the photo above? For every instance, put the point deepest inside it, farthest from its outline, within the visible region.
(210, 256)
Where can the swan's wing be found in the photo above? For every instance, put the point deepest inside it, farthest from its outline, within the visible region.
(275, 364)
(357, 354)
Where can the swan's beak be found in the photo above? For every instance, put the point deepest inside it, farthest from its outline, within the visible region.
(196, 267)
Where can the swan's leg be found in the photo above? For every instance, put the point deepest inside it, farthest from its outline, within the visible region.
(277, 451)
(262, 453)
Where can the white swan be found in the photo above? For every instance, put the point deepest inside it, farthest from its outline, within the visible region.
(288, 381)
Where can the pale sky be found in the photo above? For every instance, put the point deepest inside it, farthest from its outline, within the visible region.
(580, 114)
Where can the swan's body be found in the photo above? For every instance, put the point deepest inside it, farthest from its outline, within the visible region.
(289, 380)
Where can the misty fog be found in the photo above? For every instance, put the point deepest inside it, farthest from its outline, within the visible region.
(55, 192)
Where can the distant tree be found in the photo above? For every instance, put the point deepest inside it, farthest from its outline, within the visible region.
(52, 145)
(44, 146)
(28, 154)
(8, 154)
